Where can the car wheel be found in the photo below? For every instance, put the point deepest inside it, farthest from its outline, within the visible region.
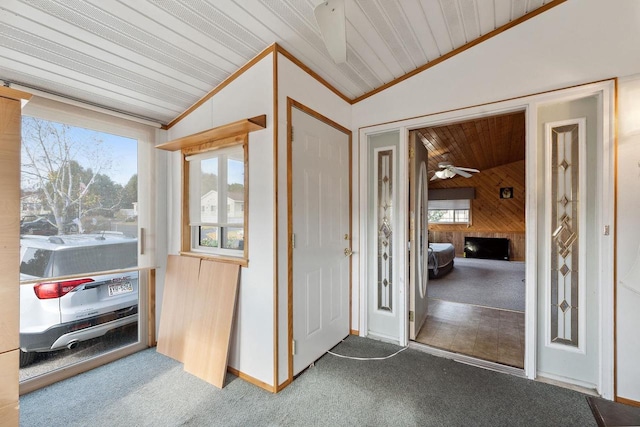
(26, 358)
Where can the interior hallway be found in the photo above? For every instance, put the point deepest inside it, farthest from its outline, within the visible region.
(486, 333)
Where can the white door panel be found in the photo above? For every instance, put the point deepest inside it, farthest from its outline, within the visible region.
(569, 326)
(419, 272)
(321, 270)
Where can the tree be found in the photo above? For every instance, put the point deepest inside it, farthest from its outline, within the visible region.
(51, 155)
(236, 188)
(104, 197)
(208, 182)
(130, 193)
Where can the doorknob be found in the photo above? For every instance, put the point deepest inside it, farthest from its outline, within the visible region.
(348, 252)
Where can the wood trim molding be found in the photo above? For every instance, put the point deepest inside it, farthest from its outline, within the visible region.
(615, 239)
(216, 137)
(289, 246)
(252, 380)
(627, 401)
(283, 385)
(312, 73)
(276, 127)
(461, 49)
(151, 308)
(226, 82)
(354, 332)
(242, 262)
(7, 92)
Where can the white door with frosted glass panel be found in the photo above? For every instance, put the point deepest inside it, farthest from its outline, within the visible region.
(321, 226)
(386, 300)
(418, 235)
(569, 325)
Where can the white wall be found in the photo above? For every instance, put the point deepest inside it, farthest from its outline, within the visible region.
(577, 42)
(628, 239)
(249, 95)
(295, 83)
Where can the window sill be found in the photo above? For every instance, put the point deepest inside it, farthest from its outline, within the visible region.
(241, 261)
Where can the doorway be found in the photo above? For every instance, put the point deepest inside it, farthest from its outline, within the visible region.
(475, 255)
(320, 229)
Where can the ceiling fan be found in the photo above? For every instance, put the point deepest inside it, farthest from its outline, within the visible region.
(331, 20)
(448, 170)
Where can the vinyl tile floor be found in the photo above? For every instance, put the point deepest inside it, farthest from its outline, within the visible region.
(486, 333)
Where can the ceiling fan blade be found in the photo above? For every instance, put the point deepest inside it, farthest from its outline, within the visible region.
(462, 173)
(467, 169)
(331, 20)
(434, 177)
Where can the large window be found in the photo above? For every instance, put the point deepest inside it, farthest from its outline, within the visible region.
(450, 211)
(78, 221)
(217, 197)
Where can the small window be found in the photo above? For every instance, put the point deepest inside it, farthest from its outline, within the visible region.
(217, 179)
(450, 211)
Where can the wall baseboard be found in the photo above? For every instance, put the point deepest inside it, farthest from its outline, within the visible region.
(627, 401)
(252, 380)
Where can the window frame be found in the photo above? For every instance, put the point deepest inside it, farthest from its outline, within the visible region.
(190, 233)
(145, 135)
(453, 205)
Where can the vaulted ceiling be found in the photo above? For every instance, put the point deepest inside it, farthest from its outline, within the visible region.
(156, 58)
(482, 143)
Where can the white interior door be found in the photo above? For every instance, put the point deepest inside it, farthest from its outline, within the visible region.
(418, 232)
(322, 236)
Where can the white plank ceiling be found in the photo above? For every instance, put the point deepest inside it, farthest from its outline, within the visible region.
(155, 58)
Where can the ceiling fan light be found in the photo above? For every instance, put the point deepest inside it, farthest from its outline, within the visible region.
(448, 173)
(330, 17)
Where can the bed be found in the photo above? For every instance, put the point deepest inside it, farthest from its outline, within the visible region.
(440, 259)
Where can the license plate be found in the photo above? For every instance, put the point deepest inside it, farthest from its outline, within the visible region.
(120, 288)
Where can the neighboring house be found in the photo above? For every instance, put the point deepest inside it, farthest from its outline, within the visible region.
(544, 62)
(209, 206)
(31, 204)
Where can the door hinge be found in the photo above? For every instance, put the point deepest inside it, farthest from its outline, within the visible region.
(412, 152)
(291, 133)
(293, 240)
(411, 316)
(293, 347)
(606, 230)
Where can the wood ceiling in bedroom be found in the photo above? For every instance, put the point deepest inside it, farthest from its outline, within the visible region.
(482, 143)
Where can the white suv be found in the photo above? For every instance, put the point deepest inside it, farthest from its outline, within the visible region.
(59, 314)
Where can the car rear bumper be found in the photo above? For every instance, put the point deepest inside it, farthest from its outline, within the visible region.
(60, 336)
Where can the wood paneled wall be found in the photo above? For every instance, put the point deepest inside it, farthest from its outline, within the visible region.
(491, 216)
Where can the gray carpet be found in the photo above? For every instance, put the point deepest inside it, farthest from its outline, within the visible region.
(410, 389)
(489, 283)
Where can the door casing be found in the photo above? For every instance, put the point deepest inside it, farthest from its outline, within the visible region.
(605, 90)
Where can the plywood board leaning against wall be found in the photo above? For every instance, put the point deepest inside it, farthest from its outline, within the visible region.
(207, 340)
(180, 282)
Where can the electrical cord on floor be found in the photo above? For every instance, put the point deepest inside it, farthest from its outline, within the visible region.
(367, 358)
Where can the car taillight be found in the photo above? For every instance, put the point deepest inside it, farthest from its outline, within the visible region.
(57, 289)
